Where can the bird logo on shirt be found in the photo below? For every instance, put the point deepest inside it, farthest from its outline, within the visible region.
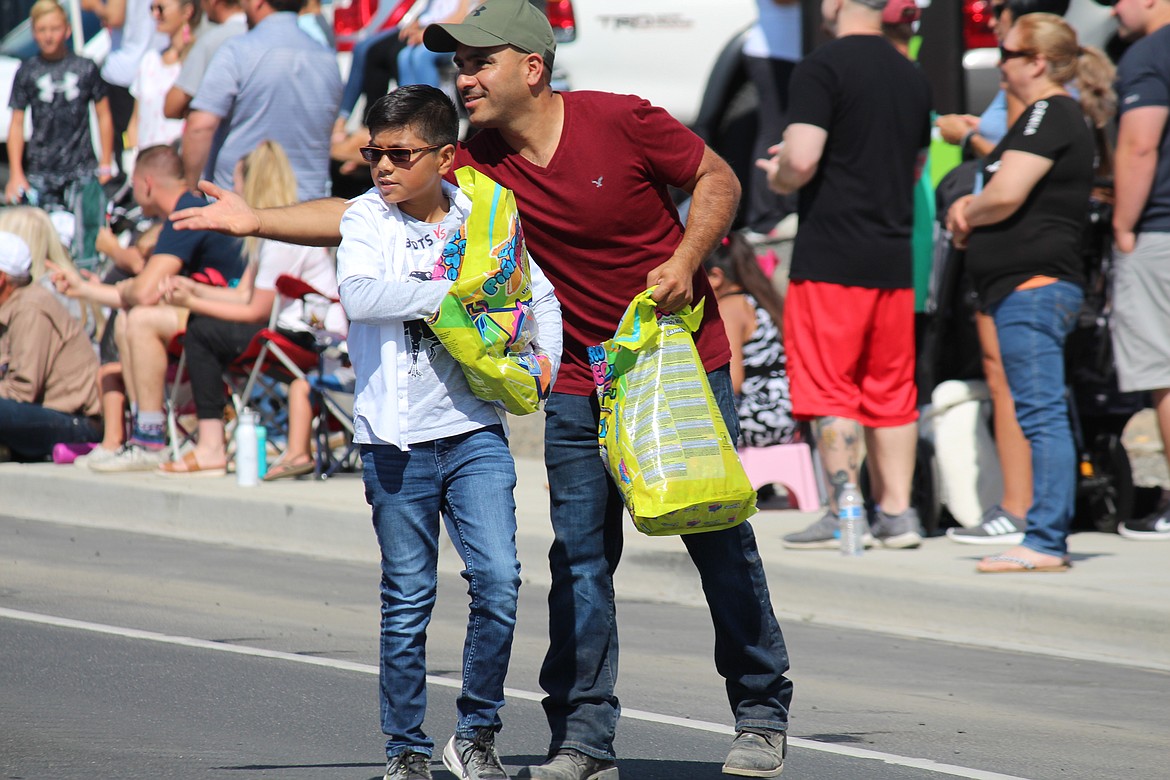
(47, 87)
(597, 182)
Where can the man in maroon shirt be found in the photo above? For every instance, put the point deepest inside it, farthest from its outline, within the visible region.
(590, 173)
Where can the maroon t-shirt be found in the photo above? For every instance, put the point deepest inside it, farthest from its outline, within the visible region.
(599, 218)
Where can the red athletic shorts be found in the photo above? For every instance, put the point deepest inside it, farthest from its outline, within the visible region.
(851, 353)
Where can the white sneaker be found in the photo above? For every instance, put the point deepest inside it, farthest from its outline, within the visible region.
(132, 457)
(96, 455)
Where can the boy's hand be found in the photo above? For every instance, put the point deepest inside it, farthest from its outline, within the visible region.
(229, 214)
(17, 185)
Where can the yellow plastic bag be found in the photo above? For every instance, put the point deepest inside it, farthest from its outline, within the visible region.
(485, 321)
(661, 433)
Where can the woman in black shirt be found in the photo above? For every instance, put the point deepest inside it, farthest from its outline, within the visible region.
(1022, 232)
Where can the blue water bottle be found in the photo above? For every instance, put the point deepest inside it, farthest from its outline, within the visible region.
(261, 451)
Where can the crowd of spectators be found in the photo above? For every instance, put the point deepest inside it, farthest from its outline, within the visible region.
(191, 90)
(251, 102)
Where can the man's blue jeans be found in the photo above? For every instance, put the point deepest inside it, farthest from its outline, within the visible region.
(31, 430)
(1032, 326)
(470, 479)
(581, 667)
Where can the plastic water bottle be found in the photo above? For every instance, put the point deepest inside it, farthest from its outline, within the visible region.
(851, 520)
(246, 449)
(261, 451)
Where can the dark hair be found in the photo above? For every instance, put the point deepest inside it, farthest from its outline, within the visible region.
(422, 108)
(737, 260)
(1022, 7)
(161, 159)
(287, 5)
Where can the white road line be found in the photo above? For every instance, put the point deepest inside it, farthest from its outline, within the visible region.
(446, 682)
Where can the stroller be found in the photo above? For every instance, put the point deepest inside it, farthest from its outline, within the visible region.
(948, 349)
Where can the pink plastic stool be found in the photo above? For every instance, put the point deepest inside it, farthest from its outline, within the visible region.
(790, 465)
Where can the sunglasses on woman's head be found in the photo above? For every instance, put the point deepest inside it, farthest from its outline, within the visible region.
(397, 155)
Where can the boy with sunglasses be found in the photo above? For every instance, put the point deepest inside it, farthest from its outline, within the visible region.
(429, 446)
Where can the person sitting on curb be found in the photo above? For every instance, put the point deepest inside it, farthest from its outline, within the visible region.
(224, 321)
(48, 369)
(148, 325)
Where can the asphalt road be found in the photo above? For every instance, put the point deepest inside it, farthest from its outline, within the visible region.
(130, 656)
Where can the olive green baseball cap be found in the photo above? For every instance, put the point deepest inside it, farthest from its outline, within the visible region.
(497, 23)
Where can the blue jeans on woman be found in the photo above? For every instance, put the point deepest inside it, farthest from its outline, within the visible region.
(581, 666)
(1032, 326)
(357, 70)
(420, 65)
(469, 479)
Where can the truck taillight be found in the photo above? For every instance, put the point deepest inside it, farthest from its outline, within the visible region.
(977, 32)
(560, 16)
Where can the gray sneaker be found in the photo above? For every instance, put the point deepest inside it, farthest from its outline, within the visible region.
(569, 764)
(899, 532)
(408, 766)
(757, 753)
(474, 759)
(997, 526)
(132, 457)
(824, 534)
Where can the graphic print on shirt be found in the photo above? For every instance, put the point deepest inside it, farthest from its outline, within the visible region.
(48, 87)
(424, 241)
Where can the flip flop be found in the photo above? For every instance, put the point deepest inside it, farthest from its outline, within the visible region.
(288, 470)
(188, 466)
(1022, 566)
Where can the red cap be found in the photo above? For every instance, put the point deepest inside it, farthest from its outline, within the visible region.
(901, 12)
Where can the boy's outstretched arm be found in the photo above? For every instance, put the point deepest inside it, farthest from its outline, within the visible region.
(312, 223)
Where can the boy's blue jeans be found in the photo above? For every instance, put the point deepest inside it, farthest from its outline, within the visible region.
(1032, 326)
(469, 479)
(581, 667)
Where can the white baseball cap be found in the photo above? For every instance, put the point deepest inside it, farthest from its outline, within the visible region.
(15, 257)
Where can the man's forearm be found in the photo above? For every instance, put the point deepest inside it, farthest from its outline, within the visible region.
(789, 177)
(713, 205)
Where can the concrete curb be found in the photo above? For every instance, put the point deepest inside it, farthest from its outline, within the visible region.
(1113, 606)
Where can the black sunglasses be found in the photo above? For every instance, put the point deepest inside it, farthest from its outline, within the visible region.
(1006, 54)
(373, 154)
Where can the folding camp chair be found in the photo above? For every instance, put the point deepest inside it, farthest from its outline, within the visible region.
(275, 356)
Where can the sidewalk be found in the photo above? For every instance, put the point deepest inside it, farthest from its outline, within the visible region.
(1114, 604)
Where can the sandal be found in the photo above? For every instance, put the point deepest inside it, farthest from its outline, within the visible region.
(1019, 565)
(188, 466)
(282, 470)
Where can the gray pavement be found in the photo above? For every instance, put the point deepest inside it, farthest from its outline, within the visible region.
(1114, 605)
